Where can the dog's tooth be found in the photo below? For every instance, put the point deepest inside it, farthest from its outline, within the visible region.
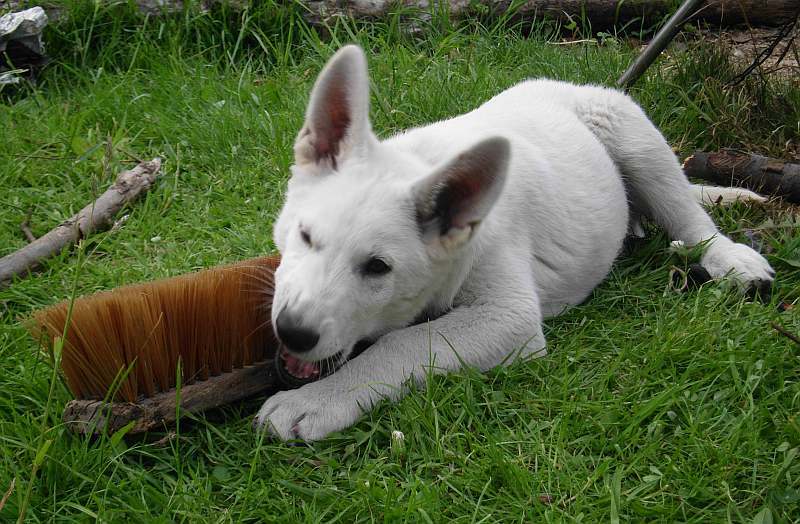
(299, 368)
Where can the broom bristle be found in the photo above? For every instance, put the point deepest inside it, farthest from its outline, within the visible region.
(211, 321)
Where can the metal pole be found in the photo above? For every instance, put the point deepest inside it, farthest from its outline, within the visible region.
(657, 45)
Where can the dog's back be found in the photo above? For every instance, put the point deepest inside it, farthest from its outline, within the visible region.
(564, 205)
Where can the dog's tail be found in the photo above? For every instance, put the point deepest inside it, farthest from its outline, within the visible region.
(724, 195)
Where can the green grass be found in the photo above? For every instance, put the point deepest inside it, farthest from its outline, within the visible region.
(652, 405)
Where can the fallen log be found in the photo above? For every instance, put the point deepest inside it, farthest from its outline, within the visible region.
(759, 173)
(601, 14)
(96, 216)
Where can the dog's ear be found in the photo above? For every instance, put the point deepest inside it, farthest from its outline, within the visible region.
(451, 202)
(337, 118)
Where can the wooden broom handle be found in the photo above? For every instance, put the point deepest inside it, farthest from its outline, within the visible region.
(160, 411)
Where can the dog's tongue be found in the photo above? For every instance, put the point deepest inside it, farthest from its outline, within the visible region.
(299, 368)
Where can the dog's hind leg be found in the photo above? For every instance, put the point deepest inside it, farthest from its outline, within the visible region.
(658, 188)
(724, 195)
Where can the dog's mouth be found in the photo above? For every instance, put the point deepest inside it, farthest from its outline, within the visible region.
(294, 372)
(301, 369)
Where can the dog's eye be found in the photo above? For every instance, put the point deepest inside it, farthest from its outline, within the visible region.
(375, 266)
(306, 237)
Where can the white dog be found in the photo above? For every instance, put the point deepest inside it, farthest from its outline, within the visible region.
(448, 244)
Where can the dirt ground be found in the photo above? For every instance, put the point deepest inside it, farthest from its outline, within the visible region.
(746, 44)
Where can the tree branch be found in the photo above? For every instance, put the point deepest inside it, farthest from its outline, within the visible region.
(96, 216)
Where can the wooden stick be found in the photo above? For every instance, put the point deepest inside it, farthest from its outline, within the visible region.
(161, 411)
(759, 173)
(9, 491)
(96, 216)
(785, 332)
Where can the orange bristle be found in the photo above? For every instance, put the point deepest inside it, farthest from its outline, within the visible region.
(212, 321)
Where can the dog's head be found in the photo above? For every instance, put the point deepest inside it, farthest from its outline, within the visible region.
(367, 231)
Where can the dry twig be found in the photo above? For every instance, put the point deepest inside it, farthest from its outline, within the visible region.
(786, 333)
(25, 226)
(762, 57)
(8, 493)
(96, 216)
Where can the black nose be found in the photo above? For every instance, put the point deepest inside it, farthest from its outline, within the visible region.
(294, 335)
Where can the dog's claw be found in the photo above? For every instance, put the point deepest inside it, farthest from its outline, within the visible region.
(309, 413)
(697, 275)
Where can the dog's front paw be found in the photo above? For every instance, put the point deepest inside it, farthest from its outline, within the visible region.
(725, 258)
(309, 413)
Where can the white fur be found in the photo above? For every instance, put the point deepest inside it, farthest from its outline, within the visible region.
(554, 171)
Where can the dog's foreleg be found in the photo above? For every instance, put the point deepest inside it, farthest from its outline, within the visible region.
(482, 335)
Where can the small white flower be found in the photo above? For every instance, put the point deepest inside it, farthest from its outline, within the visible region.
(397, 446)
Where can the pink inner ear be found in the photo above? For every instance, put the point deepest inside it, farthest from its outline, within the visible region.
(468, 185)
(333, 123)
(461, 192)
